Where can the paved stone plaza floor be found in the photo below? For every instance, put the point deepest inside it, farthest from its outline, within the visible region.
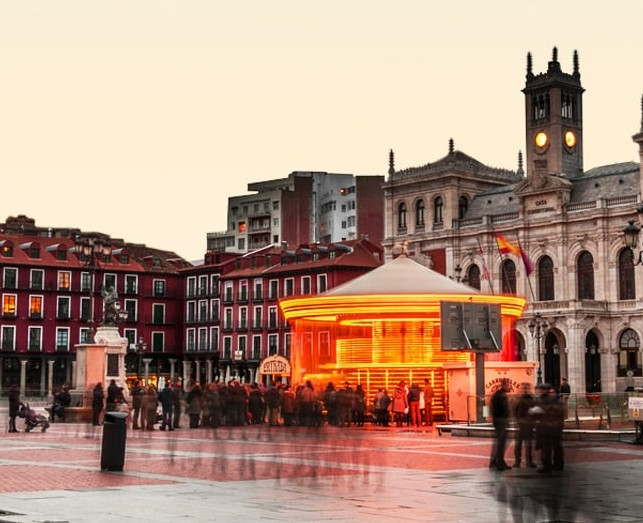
(259, 473)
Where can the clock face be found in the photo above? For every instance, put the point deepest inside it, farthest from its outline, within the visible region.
(570, 139)
(541, 139)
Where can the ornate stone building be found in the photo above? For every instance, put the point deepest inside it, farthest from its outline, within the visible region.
(561, 237)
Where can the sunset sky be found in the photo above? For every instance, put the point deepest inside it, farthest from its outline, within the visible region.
(140, 118)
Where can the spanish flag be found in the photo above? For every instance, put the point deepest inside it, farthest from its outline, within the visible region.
(509, 248)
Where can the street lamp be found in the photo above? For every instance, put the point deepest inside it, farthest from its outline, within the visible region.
(631, 237)
(537, 327)
(91, 250)
(141, 348)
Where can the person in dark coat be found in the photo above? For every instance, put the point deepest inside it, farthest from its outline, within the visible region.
(526, 423)
(137, 399)
(177, 397)
(165, 399)
(98, 396)
(500, 417)
(61, 400)
(113, 394)
(14, 407)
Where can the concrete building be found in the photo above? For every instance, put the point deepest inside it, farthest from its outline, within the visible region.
(305, 207)
(552, 232)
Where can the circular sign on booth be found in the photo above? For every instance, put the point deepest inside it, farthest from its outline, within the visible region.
(275, 364)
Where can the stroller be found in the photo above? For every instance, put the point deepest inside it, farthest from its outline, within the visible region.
(32, 418)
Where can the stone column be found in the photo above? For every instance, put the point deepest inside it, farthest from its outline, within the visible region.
(146, 372)
(74, 375)
(186, 372)
(197, 364)
(609, 364)
(23, 376)
(43, 376)
(575, 356)
(208, 371)
(50, 378)
(172, 367)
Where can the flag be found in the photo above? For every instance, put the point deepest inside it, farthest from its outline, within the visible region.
(505, 247)
(485, 271)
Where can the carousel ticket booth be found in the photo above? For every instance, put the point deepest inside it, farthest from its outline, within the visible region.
(274, 368)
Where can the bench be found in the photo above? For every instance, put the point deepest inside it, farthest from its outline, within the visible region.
(74, 415)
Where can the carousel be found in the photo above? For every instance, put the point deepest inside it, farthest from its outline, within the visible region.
(386, 326)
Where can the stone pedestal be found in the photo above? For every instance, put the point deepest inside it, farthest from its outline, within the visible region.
(99, 362)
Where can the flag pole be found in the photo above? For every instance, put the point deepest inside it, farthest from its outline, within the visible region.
(522, 256)
(484, 266)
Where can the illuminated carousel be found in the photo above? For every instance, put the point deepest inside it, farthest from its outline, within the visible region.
(385, 326)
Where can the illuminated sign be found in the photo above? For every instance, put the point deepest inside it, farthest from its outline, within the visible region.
(275, 364)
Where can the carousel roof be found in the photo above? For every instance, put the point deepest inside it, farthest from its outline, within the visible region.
(402, 275)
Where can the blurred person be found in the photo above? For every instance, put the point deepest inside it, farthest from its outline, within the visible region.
(414, 404)
(14, 407)
(550, 430)
(256, 404)
(273, 402)
(525, 420)
(288, 407)
(177, 398)
(112, 397)
(565, 391)
(193, 405)
(499, 408)
(428, 402)
(400, 403)
(150, 405)
(345, 405)
(138, 391)
(61, 401)
(98, 399)
(381, 403)
(165, 399)
(330, 401)
(359, 405)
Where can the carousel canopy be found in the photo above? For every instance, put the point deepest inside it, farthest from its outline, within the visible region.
(402, 275)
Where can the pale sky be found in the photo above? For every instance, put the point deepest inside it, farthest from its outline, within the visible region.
(140, 118)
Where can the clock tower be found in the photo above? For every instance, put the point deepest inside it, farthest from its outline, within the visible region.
(554, 119)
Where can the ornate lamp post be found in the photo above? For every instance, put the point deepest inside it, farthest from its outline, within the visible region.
(91, 251)
(141, 348)
(631, 237)
(537, 328)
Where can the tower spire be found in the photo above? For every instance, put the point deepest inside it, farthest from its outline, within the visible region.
(391, 163)
(529, 66)
(576, 68)
(451, 149)
(520, 171)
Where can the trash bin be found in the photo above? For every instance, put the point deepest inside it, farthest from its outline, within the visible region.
(112, 454)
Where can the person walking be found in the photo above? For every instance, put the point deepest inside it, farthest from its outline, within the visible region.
(500, 417)
(565, 391)
(525, 420)
(177, 398)
(14, 407)
(98, 396)
(428, 402)
(165, 399)
(149, 405)
(414, 404)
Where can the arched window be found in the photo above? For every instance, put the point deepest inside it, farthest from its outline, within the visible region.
(438, 208)
(419, 213)
(545, 279)
(626, 290)
(508, 277)
(463, 206)
(585, 276)
(401, 216)
(473, 277)
(629, 358)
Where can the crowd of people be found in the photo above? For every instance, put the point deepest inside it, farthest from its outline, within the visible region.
(539, 420)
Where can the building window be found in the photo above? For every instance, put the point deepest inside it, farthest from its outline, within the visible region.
(274, 289)
(158, 342)
(64, 280)
(191, 286)
(63, 312)
(83, 335)
(85, 306)
(37, 278)
(190, 340)
(463, 207)
(626, 289)
(289, 286)
(10, 279)
(9, 305)
(273, 341)
(585, 276)
(243, 318)
(214, 310)
(241, 347)
(191, 312)
(159, 288)
(258, 318)
(321, 283)
(203, 285)
(227, 322)
(158, 313)
(35, 338)
(243, 290)
(272, 318)
(419, 213)
(256, 347)
(203, 339)
(85, 282)
(438, 209)
(109, 281)
(130, 308)
(227, 347)
(258, 292)
(8, 337)
(629, 358)
(508, 277)
(401, 215)
(546, 279)
(130, 335)
(227, 297)
(62, 339)
(131, 284)
(287, 345)
(473, 277)
(203, 310)
(7, 249)
(214, 338)
(35, 307)
(305, 285)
